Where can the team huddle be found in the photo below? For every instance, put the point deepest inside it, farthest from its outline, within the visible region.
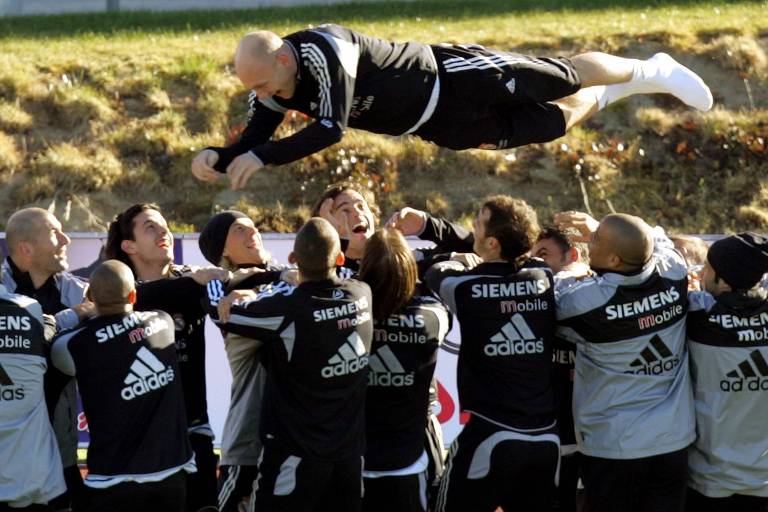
(627, 373)
(594, 355)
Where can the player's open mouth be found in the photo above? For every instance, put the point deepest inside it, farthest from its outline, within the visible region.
(360, 229)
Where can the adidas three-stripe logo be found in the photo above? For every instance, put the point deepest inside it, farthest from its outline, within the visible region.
(455, 64)
(349, 358)
(749, 375)
(515, 338)
(315, 60)
(655, 359)
(386, 370)
(147, 374)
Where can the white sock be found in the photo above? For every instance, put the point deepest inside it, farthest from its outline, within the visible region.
(659, 74)
(644, 69)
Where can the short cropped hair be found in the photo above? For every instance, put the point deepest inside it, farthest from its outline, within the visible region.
(560, 237)
(513, 223)
(316, 247)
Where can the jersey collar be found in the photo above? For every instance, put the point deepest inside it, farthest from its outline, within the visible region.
(296, 57)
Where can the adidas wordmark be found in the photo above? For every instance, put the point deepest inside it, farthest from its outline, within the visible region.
(147, 374)
(515, 338)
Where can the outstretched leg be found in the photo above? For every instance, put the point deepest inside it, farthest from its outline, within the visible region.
(597, 68)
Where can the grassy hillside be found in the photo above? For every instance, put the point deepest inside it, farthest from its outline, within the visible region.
(100, 111)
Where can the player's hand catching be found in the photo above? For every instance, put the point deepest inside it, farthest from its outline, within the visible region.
(326, 212)
(408, 220)
(580, 221)
(202, 166)
(225, 305)
(468, 259)
(241, 169)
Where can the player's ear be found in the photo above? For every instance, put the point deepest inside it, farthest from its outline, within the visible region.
(340, 259)
(574, 254)
(292, 258)
(128, 246)
(283, 59)
(132, 297)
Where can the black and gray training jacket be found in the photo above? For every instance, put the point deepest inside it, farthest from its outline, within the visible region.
(57, 295)
(317, 338)
(632, 393)
(240, 439)
(507, 318)
(128, 376)
(402, 363)
(728, 343)
(182, 298)
(31, 470)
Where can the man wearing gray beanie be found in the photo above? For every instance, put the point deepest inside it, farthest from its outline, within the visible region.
(728, 340)
(230, 240)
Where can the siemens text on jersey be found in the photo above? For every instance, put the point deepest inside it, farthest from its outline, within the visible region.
(15, 323)
(514, 289)
(337, 311)
(132, 321)
(648, 303)
(732, 321)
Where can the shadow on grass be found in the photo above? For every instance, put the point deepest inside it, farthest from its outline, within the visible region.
(191, 21)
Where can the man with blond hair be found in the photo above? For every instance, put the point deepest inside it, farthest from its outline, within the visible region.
(37, 267)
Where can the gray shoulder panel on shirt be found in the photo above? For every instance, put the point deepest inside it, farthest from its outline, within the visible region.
(698, 300)
(576, 299)
(60, 355)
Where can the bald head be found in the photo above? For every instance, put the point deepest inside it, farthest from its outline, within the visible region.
(627, 238)
(316, 249)
(257, 46)
(24, 226)
(265, 64)
(111, 285)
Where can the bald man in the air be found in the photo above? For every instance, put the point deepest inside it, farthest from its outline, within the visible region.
(457, 96)
(632, 398)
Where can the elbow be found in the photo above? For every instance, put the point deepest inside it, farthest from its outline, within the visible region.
(336, 135)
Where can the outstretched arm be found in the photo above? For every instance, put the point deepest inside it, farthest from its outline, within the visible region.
(263, 120)
(261, 315)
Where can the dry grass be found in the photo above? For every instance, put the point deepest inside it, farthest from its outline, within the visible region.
(113, 111)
